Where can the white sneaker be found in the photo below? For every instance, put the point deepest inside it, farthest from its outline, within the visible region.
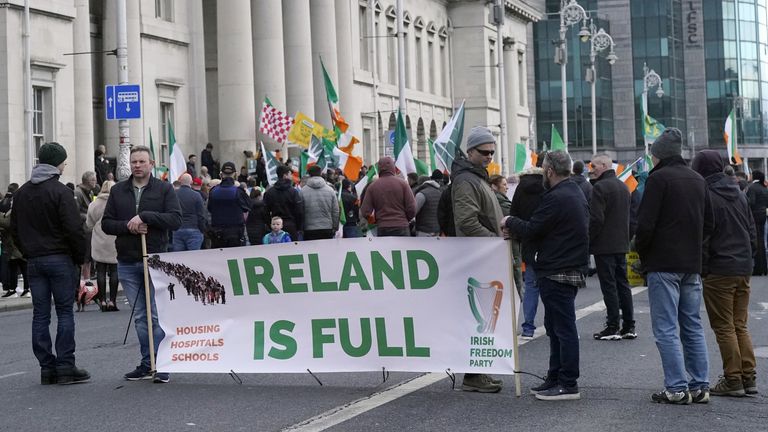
(26, 295)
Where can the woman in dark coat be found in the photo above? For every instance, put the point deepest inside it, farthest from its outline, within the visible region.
(757, 196)
(255, 225)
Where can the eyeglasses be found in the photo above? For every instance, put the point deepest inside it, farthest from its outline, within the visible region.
(486, 152)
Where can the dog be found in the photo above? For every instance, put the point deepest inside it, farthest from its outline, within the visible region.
(85, 294)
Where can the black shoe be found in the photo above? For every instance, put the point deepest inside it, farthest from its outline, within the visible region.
(140, 373)
(9, 293)
(72, 376)
(549, 382)
(628, 333)
(559, 392)
(161, 378)
(48, 376)
(609, 333)
(675, 398)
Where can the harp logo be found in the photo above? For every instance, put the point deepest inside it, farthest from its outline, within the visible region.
(485, 303)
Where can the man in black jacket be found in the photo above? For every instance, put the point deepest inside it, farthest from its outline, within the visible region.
(673, 219)
(609, 243)
(229, 206)
(45, 224)
(284, 200)
(141, 205)
(558, 233)
(727, 265)
(578, 177)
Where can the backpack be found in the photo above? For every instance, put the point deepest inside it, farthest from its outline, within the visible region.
(445, 212)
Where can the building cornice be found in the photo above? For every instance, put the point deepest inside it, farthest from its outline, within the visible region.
(523, 10)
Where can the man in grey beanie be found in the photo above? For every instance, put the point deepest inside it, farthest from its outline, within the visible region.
(476, 213)
(673, 219)
(46, 225)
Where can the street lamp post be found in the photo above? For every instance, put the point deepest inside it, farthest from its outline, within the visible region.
(599, 41)
(570, 13)
(650, 79)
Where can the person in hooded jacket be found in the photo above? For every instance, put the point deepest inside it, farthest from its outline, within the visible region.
(256, 224)
(390, 201)
(103, 250)
(321, 207)
(524, 203)
(578, 177)
(284, 200)
(46, 226)
(726, 267)
(757, 196)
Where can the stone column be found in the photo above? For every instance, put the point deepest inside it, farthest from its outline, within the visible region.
(323, 31)
(297, 42)
(83, 91)
(237, 116)
(198, 110)
(268, 59)
(348, 103)
(512, 86)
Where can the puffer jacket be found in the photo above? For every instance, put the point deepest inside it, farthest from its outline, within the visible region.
(321, 206)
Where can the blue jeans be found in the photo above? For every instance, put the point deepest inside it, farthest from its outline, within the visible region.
(54, 275)
(675, 300)
(352, 231)
(187, 239)
(131, 276)
(560, 321)
(530, 299)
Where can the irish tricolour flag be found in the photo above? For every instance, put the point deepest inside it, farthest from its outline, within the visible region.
(729, 133)
(403, 156)
(178, 165)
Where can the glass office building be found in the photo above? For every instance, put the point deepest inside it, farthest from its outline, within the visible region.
(712, 56)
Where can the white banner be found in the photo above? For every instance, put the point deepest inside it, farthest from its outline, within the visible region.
(404, 304)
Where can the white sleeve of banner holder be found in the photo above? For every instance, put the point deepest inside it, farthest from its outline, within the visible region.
(351, 305)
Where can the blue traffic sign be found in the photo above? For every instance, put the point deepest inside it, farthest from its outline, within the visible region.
(122, 102)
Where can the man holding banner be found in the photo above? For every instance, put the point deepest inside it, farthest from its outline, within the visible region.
(559, 233)
(141, 205)
(476, 213)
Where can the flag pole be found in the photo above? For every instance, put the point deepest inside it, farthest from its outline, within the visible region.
(148, 298)
(400, 58)
(513, 290)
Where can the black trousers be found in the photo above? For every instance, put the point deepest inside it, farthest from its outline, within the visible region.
(318, 234)
(560, 322)
(761, 266)
(102, 271)
(226, 237)
(617, 294)
(14, 268)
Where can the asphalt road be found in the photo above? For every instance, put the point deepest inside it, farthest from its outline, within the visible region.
(617, 379)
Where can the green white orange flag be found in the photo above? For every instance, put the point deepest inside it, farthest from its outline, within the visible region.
(360, 186)
(557, 140)
(524, 157)
(178, 165)
(403, 156)
(448, 143)
(729, 133)
(333, 102)
(271, 163)
(626, 176)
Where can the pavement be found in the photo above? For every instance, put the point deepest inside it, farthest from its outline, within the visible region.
(617, 379)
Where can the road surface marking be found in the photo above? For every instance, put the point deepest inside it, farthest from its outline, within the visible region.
(12, 375)
(353, 409)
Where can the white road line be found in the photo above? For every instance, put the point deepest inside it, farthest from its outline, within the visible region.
(353, 409)
(12, 375)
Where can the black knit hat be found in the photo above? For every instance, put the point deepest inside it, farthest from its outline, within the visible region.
(52, 153)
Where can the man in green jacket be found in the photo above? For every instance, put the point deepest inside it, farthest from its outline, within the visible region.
(476, 213)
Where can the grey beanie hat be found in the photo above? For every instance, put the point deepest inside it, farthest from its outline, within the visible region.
(668, 144)
(51, 153)
(479, 135)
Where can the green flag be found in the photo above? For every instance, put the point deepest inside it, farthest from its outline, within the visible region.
(342, 213)
(448, 143)
(271, 163)
(651, 129)
(152, 150)
(267, 101)
(178, 165)
(421, 167)
(523, 157)
(304, 160)
(432, 160)
(557, 140)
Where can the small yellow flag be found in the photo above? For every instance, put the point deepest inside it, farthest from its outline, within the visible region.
(304, 127)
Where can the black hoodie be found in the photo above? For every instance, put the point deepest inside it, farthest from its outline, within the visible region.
(284, 200)
(728, 250)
